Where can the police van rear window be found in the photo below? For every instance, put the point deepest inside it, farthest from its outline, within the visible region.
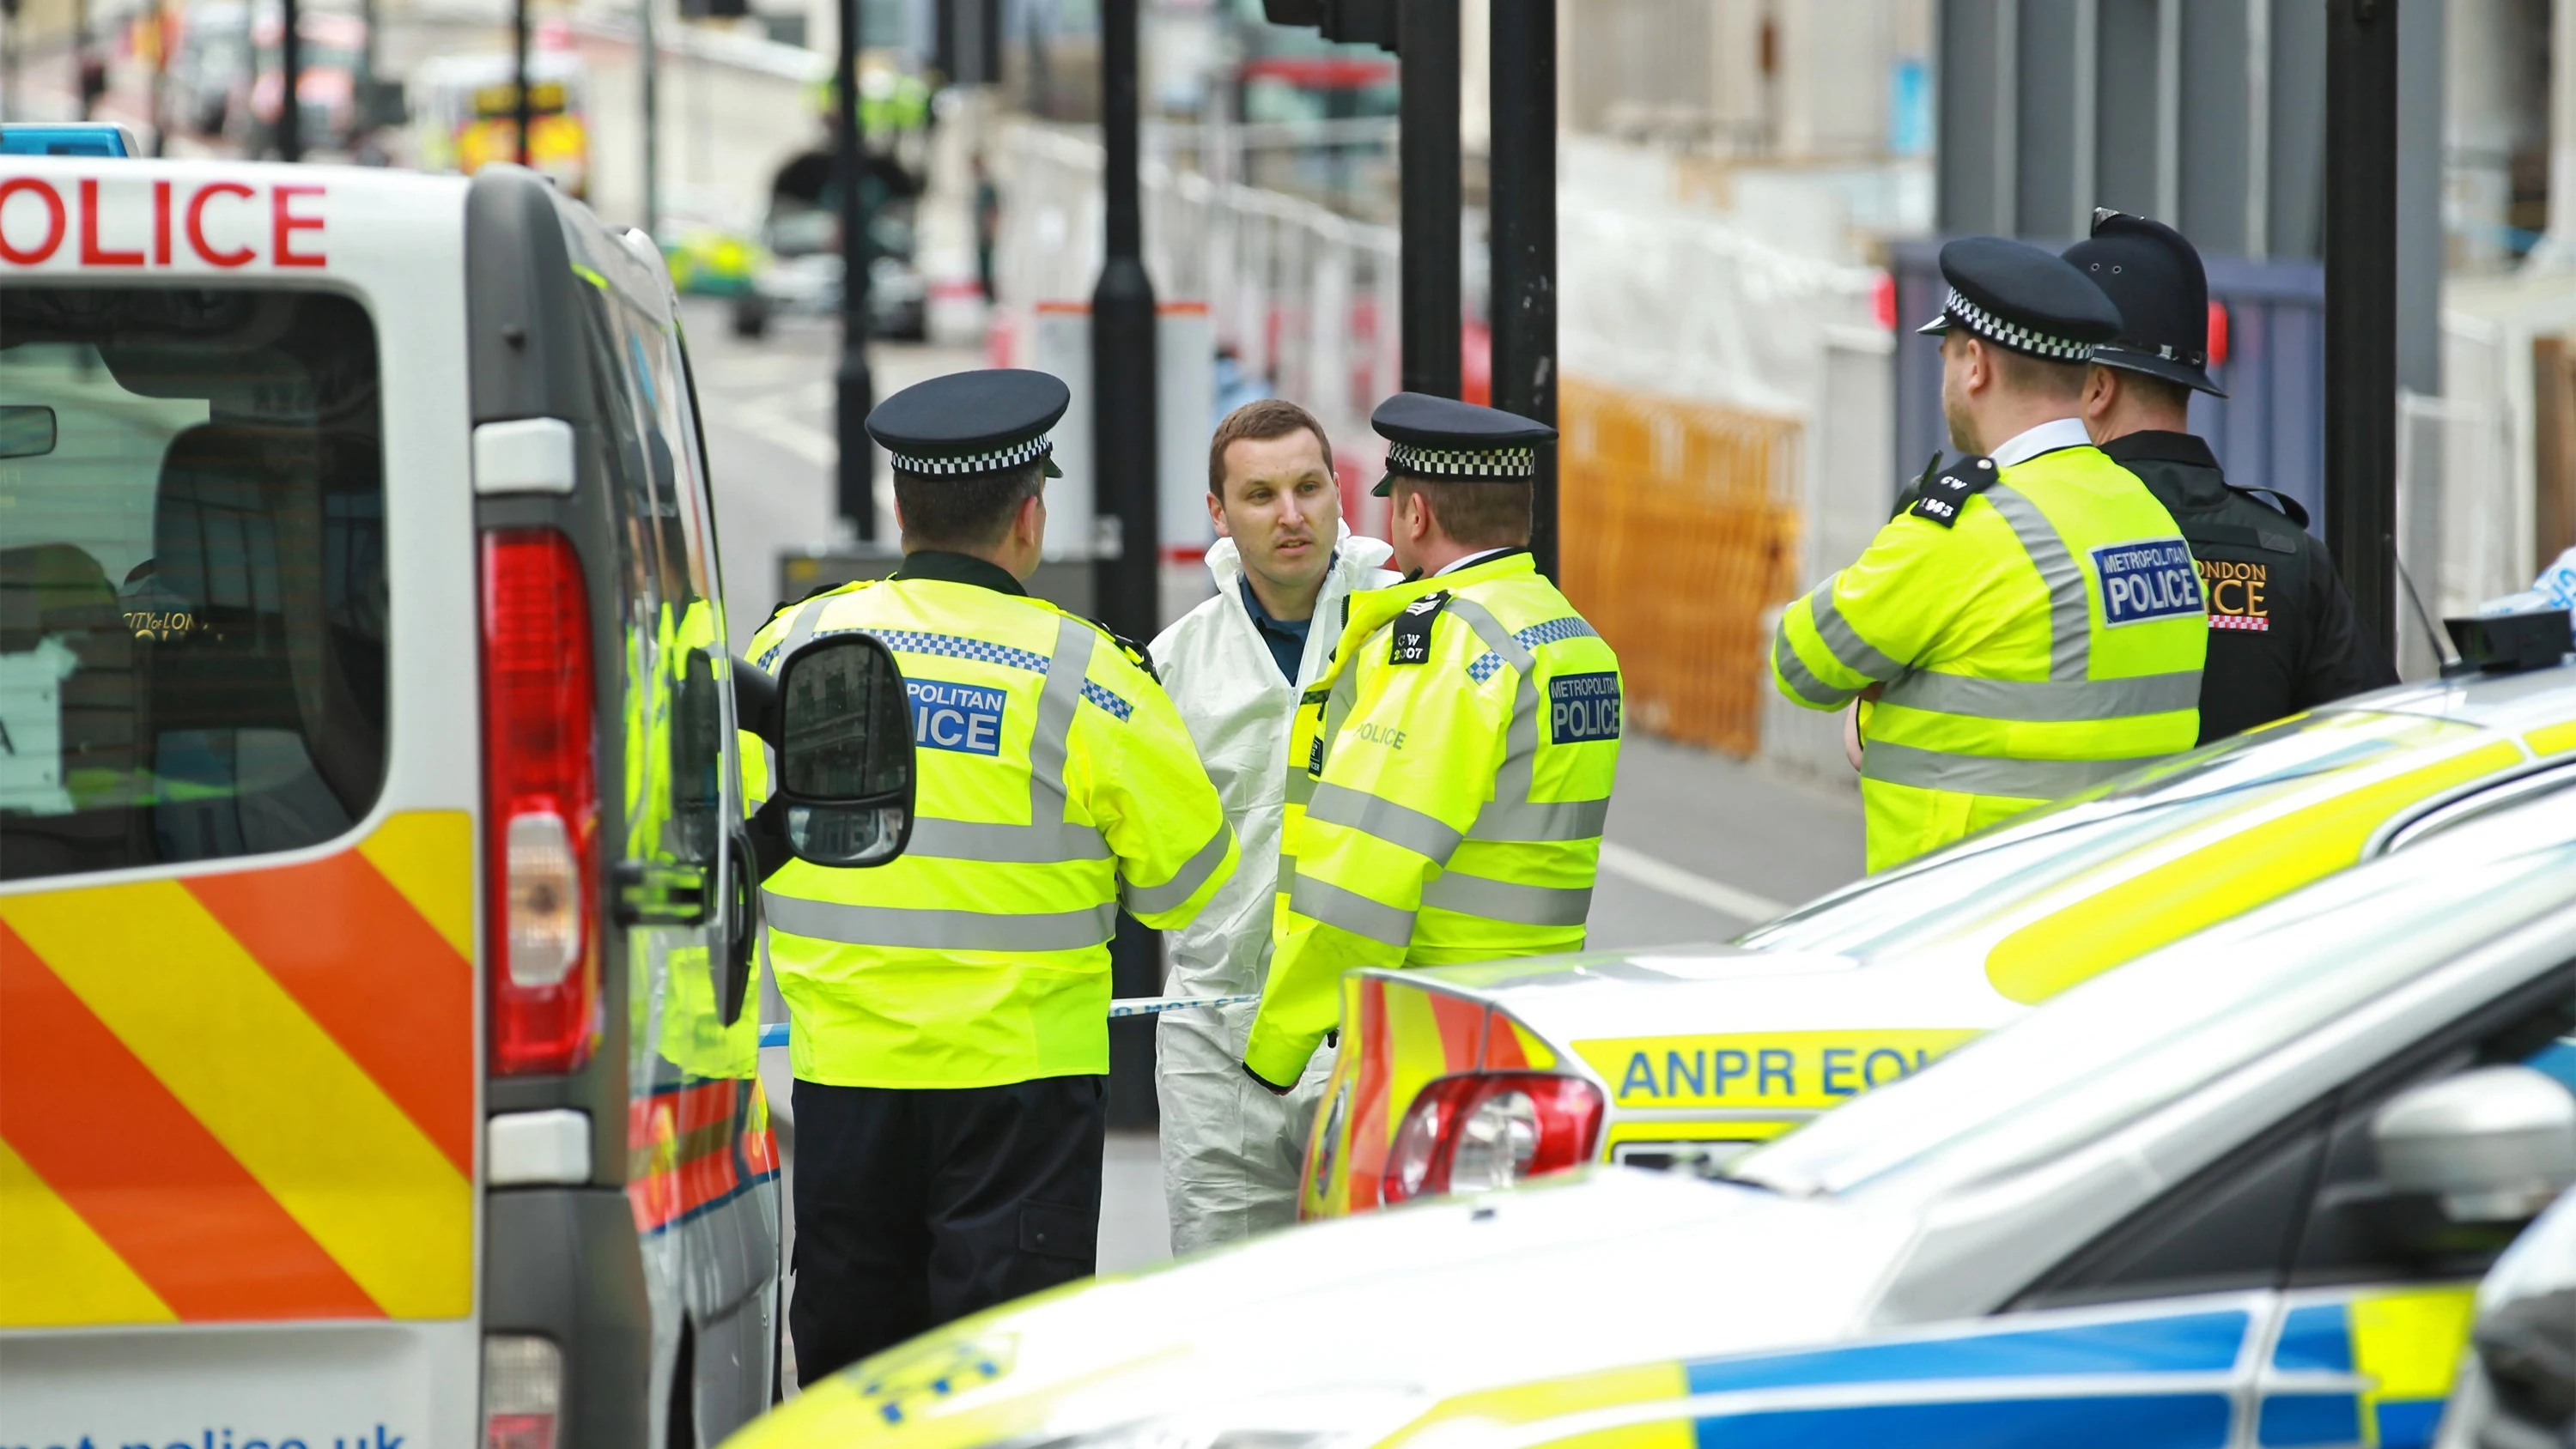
(192, 574)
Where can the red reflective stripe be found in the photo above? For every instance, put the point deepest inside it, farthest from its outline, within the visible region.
(1371, 1128)
(1503, 1045)
(364, 964)
(1462, 1029)
(144, 1173)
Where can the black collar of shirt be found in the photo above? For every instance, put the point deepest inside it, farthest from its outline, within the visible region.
(958, 568)
(2161, 447)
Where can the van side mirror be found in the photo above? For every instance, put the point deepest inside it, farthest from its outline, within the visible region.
(2494, 1145)
(845, 766)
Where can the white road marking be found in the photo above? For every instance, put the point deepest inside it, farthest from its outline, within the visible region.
(1642, 869)
(770, 425)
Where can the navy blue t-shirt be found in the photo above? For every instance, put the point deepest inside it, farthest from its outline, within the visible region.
(1286, 637)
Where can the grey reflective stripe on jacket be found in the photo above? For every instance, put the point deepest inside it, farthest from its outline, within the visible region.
(1896, 764)
(1351, 911)
(1175, 893)
(1502, 900)
(1849, 649)
(895, 926)
(2070, 618)
(2050, 701)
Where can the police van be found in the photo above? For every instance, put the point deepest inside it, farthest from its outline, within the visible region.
(375, 925)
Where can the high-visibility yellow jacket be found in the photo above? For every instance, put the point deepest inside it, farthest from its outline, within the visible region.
(1447, 782)
(2048, 641)
(1055, 783)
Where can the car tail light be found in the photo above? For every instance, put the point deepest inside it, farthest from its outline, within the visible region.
(541, 803)
(522, 1391)
(1470, 1133)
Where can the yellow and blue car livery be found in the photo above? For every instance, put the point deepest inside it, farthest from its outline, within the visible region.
(2125, 1218)
(1697, 1050)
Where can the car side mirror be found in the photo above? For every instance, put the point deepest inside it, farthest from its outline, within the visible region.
(2494, 1145)
(845, 766)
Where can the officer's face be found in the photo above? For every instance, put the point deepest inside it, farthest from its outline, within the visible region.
(1280, 507)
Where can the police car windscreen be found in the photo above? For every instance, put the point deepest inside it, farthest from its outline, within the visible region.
(192, 576)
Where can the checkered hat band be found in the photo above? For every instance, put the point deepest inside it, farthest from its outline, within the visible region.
(1463, 462)
(1013, 456)
(2014, 335)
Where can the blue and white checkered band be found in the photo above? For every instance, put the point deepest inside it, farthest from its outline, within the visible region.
(1029, 450)
(2012, 334)
(1463, 462)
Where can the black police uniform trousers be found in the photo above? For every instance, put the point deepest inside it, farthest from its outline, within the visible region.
(917, 1206)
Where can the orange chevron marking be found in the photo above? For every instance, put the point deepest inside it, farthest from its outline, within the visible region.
(375, 975)
(119, 1149)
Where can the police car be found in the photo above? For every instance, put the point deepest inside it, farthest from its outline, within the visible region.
(373, 923)
(1462, 1077)
(2237, 1192)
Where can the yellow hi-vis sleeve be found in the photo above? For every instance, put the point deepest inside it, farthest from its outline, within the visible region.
(1866, 624)
(1155, 805)
(1403, 780)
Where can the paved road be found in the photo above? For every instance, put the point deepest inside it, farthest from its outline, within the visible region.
(1699, 846)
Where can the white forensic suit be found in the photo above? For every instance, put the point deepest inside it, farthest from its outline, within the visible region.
(1232, 1151)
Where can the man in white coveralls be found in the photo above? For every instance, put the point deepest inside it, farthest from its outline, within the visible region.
(1284, 567)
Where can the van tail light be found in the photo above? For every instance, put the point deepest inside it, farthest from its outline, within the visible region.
(522, 1391)
(1485, 1130)
(541, 804)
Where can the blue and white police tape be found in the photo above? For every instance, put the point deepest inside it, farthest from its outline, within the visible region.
(774, 1034)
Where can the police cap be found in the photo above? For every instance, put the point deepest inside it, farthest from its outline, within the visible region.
(2154, 277)
(2023, 300)
(1443, 440)
(972, 422)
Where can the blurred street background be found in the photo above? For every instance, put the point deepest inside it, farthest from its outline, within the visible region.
(1750, 193)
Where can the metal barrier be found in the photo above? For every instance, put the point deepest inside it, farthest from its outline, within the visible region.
(1686, 535)
(1304, 299)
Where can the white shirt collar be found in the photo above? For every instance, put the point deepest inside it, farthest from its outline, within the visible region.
(2048, 437)
(1471, 560)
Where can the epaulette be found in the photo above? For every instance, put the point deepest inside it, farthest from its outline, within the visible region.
(1413, 629)
(2291, 508)
(1947, 492)
(1912, 488)
(1137, 654)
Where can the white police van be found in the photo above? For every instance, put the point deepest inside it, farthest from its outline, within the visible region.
(374, 927)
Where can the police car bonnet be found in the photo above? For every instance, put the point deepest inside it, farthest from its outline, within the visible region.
(972, 422)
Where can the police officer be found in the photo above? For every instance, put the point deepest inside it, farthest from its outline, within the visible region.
(2031, 623)
(1450, 771)
(2282, 633)
(950, 1009)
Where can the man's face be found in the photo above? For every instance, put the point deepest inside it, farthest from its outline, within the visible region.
(1280, 507)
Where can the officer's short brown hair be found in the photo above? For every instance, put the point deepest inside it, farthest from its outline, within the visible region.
(962, 512)
(1472, 515)
(2036, 376)
(1259, 422)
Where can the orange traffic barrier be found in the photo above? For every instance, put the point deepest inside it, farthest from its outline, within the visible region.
(1678, 531)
